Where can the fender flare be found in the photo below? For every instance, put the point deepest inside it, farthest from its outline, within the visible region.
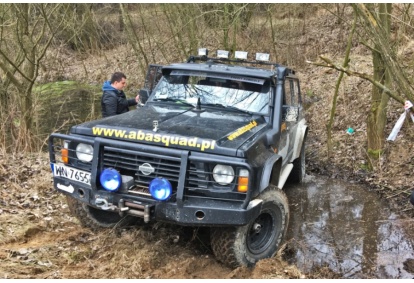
(273, 164)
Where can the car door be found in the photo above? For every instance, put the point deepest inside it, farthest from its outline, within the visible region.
(291, 114)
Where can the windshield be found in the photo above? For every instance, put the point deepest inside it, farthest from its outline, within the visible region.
(244, 93)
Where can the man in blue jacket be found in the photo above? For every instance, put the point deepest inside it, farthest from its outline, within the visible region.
(113, 99)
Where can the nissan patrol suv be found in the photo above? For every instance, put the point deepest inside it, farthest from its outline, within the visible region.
(213, 146)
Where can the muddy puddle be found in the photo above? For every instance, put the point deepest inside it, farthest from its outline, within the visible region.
(349, 229)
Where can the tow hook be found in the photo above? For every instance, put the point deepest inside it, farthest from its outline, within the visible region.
(104, 205)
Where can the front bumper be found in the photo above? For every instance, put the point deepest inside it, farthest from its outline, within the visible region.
(193, 202)
(193, 212)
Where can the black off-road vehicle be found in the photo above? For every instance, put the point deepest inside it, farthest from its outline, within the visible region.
(213, 146)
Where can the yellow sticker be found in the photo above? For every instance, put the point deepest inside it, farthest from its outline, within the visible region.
(242, 130)
(165, 140)
(283, 127)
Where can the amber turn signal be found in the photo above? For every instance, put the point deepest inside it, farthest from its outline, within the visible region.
(65, 155)
(242, 184)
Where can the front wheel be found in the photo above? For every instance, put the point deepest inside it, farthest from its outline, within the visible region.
(261, 238)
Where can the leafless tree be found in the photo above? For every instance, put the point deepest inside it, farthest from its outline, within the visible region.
(389, 79)
(26, 34)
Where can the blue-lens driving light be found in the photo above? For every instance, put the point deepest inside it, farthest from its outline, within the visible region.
(160, 189)
(110, 179)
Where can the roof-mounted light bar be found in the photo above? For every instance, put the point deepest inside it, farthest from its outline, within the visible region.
(242, 55)
(239, 56)
(264, 57)
(223, 54)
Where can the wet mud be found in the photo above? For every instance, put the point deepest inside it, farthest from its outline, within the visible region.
(348, 229)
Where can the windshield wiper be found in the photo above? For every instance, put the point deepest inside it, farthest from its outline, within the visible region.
(226, 107)
(214, 104)
(174, 100)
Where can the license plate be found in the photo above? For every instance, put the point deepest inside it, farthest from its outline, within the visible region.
(60, 170)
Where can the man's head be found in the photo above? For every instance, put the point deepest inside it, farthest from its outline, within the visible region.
(118, 80)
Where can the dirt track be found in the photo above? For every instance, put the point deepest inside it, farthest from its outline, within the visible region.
(40, 239)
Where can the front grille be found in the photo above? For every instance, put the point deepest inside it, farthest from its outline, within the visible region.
(143, 166)
(197, 176)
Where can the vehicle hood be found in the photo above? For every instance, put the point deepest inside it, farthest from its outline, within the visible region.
(207, 130)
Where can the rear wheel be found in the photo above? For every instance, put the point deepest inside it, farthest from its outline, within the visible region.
(94, 218)
(261, 238)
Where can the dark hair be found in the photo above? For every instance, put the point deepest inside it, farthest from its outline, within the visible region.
(117, 77)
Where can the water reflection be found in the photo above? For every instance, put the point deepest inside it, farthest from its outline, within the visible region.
(349, 229)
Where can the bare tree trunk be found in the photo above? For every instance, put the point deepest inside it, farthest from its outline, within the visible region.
(146, 33)
(193, 27)
(175, 28)
(28, 69)
(121, 20)
(273, 29)
(159, 45)
(226, 27)
(377, 116)
(134, 40)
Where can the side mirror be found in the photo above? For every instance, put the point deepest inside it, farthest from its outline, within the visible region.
(144, 95)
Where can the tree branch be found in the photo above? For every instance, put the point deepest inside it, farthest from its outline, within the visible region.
(8, 72)
(10, 75)
(331, 65)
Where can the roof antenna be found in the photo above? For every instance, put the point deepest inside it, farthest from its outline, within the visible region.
(198, 106)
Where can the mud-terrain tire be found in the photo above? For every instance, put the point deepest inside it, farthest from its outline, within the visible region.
(261, 238)
(96, 219)
(298, 172)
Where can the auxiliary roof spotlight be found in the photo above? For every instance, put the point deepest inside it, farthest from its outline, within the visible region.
(160, 189)
(242, 55)
(202, 52)
(110, 179)
(223, 54)
(264, 57)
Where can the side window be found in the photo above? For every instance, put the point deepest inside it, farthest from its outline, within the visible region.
(295, 93)
(288, 92)
(291, 101)
(292, 96)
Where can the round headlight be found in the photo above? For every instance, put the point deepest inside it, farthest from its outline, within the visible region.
(223, 174)
(160, 189)
(84, 152)
(110, 179)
